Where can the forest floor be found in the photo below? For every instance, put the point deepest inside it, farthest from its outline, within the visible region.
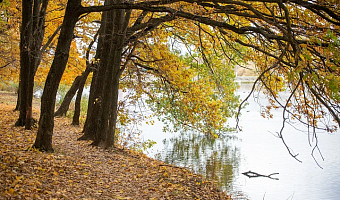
(77, 170)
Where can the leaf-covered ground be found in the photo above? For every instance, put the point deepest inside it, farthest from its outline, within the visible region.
(78, 171)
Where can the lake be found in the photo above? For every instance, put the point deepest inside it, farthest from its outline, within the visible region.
(256, 148)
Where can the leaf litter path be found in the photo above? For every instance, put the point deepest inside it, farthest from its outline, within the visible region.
(78, 171)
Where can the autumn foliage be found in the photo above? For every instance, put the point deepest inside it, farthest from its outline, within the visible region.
(293, 44)
(78, 171)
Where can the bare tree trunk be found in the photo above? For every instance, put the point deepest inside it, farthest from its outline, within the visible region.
(76, 114)
(103, 80)
(88, 134)
(26, 31)
(46, 122)
(108, 115)
(98, 79)
(17, 107)
(32, 35)
(37, 36)
(110, 136)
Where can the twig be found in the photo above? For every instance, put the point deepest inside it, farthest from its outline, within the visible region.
(251, 174)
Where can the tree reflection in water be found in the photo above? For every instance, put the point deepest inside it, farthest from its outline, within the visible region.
(217, 159)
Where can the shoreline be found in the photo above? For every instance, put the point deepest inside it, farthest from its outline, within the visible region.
(77, 170)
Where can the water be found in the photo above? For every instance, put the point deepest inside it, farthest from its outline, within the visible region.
(256, 148)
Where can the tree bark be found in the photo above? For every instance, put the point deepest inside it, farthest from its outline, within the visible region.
(88, 134)
(37, 36)
(102, 116)
(32, 35)
(108, 115)
(110, 136)
(46, 122)
(94, 67)
(102, 80)
(77, 104)
(17, 107)
(26, 31)
(98, 79)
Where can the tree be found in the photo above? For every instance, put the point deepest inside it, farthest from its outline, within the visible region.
(62, 110)
(9, 40)
(40, 22)
(31, 54)
(284, 45)
(89, 68)
(76, 114)
(96, 103)
(115, 29)
(77, 85)
(24, 59)
(31, 38)
(44, 136)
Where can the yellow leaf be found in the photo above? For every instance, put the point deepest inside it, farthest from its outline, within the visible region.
(18, 178)
(118, 197)
(11, 191)
(165, 174)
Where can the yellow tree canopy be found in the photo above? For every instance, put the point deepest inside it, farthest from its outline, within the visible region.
(10, 39)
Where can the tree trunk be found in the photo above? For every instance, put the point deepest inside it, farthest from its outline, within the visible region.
(26, 31)
(88, 135)
(89, 68)
(17, 107)
(103, 81)
(108, 115)
(36, 39)
(76, 114)
(62, 110)
(110, 137)
(46, 122)
(103, 102)
(98, 79)
(32, 35)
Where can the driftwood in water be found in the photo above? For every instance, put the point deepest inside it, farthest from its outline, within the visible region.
(251, 174)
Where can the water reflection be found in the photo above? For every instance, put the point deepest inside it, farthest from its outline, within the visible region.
(256, 148)
(217, 159)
